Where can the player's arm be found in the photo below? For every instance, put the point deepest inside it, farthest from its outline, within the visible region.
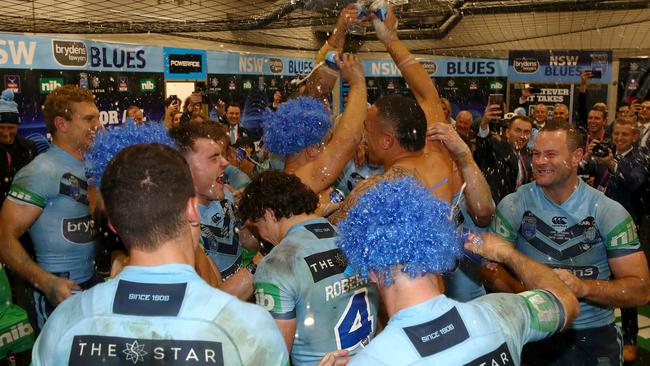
(320, 173)
(351, 199)
(629, 288)
(288, 330)
(15, 219)
(206, 268)
(478, 196)
(533, 274)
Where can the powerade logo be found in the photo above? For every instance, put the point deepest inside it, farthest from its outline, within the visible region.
(276, 65)
(147, 85)
(48, 85)
(185, 64)
(70, 53)
(525, 65)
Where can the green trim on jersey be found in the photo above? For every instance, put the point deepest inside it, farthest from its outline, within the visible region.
(543, 311)
(267, 295)
(501, 226)
(622, 235)
(26, 196)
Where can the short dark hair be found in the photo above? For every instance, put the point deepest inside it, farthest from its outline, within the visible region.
(407, 119)
(519, 118)
(285, 194)
(232, 104)
(146, 188)
(574, 138)
(601, 110)
(170, 99)
(186, 134)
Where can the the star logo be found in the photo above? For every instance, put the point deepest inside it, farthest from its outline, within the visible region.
(340, 260)
(134, 352)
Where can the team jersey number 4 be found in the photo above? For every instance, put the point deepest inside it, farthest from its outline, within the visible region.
(356, 323)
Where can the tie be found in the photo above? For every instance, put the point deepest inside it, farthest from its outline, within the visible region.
(522, 173)
(233, 135)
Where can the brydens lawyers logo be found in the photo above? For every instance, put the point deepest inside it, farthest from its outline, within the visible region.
(429, 66)
(525, 65)
(276, 66)
(70, 53)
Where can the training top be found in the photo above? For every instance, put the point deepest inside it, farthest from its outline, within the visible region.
(158, 315)
(490, 330)
(303, 279)
(580, 235)
(64, 234)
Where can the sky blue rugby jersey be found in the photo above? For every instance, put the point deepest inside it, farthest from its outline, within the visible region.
(490, 330)
(579, 235)
(302, 278)
(64, 235)
(463, 284)
(158, 315)
(235, 177)
(352, 175)
(220, 241)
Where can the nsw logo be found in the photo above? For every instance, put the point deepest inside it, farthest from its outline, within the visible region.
(69, 53)
(525, 65)
(276, 65)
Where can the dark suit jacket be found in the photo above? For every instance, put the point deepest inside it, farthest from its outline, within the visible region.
(625, 184)
(12, 159)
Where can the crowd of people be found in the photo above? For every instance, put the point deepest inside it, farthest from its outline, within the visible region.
(391, 234)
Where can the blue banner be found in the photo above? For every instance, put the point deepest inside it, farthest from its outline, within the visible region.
(464, 67)
(48, 53)
(185, 64)
(257, 64)
(558, 66)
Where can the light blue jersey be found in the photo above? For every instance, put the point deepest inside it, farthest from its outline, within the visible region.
(579, 235)
(352, 175)
(220, 241)
(302, 279)
(489, 331)
(463, 284)
(64, 234)
(159, 315)
(235, 177)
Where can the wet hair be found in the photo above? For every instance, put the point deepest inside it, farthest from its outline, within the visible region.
(186, 134)
(146, 189)
(285, 194)
(601, 110)
(574, 138)
(626, 121)
(59, 103)
(406, 118)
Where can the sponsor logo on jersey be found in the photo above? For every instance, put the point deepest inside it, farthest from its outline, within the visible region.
(326, 264)
(79, 230)
(499, 357)
(439, 334)
(18, 331)
(148, 299)
(74, 187)
(529, 227)
(114, 351)
(623, 235)
(584, 272)
(544, 311)
(559, 220)
(321, 230)
(267, 295)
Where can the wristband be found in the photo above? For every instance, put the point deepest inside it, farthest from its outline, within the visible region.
(407, 62)
(252, 268)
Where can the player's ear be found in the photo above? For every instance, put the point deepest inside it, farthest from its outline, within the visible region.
(373, 276)
(269, 216)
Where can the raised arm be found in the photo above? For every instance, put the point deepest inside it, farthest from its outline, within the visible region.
(321, 172)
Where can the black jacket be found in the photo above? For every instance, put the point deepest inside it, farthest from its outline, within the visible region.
(12, 158)
(625, 184)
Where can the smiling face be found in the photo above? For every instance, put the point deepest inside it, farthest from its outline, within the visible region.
(233, 115)
(8, 132)
(553, 162)
(207, 164)
(519, 133)
(81, 128)
(595, 121)
(540, 113)
(624, 136)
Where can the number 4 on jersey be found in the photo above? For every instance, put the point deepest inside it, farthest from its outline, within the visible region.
(356, 323)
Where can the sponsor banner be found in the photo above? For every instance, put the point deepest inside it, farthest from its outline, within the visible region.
(12, 82)
(633, 80)
(464, 67)
(48, 53)
(558, 66)
(185, 64)
(258, 64)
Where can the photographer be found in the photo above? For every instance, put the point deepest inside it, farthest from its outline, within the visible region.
(501, 151)
(172, 107)
(597, 143)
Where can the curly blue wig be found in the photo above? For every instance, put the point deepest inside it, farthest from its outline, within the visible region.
(297, 124)
(400, 223)
(108, 143)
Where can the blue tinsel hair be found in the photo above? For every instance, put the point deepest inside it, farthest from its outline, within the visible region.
(297, 124)
(400, 223)
(108, 143)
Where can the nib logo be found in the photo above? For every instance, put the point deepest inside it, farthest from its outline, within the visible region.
(15, 333)
(147, 85)
(48, 85)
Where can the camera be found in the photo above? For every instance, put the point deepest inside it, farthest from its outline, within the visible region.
(601, 150)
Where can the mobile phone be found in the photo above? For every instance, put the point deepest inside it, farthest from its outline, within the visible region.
(533, 90)
(596, 74)
(495, 99)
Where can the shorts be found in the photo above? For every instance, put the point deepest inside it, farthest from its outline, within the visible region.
(43, 306)
(601, 346)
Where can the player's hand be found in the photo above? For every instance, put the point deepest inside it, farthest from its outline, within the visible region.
(489, 246)
(387, 30)
(351, 68)
(348, 16)
(578, 286)
(59, 289)
(447, 134)
(336, 358)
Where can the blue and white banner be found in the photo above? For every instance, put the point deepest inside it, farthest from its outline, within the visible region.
(464, 67)
(49, 53)
(257, 64)
(185, 64)
(558, 66)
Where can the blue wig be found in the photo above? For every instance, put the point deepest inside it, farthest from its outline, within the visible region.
(108, 143)
(400, 222)
(297, 124)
